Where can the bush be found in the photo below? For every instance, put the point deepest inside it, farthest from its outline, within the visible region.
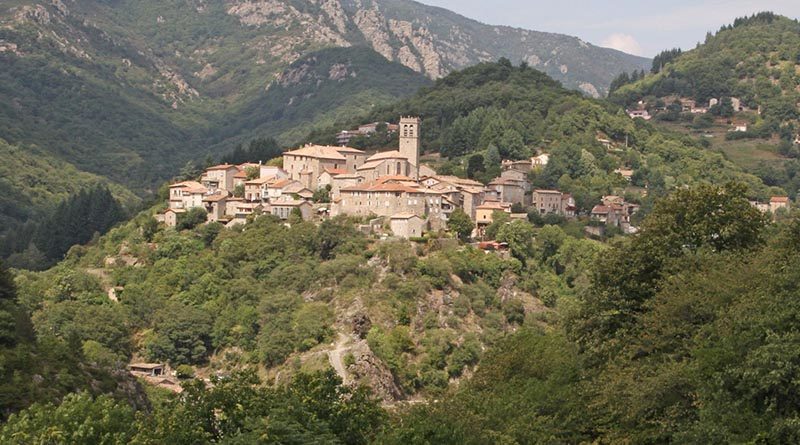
(184, 372)
(191, 219)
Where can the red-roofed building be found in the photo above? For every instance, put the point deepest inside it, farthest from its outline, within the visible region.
(779, 202)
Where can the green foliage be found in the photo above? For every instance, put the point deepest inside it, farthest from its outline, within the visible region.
(191, 218)
(258, 150)
(460, 224)
(519, 236)
(181, 335)
(712, 218)
(79, 419)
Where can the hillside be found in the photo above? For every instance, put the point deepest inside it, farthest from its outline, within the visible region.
(751, 68)
(632, 336)
(755, 59)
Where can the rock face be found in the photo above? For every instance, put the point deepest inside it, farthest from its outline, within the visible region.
(433, 41)
(369, 370)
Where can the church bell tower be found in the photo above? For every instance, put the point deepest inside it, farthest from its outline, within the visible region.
(409, 142)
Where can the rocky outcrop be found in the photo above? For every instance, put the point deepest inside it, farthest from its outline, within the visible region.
(369, 370)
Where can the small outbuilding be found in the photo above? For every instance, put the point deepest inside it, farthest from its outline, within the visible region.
(406, 225)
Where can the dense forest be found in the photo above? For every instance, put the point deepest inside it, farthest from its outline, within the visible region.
(683, 333)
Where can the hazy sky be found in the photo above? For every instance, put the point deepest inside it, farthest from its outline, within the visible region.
(642, 27)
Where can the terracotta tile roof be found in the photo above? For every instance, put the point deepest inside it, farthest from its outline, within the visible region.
(186, 184)
(349, 176)
(349, 150)
(294, 187)
(404, 216)
(370, 165)
(458, 181)
(779, 199)
(281, 183)
(494, 205)
(216, 198)
(601, 210)
(394, 154)
(547, 191)
(175, 210)
(335, 171)
(221, 167)
(241, 175)
(260, 181)
(506, 181)
(317, 151)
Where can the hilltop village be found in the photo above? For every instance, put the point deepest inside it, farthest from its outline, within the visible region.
(391, 191)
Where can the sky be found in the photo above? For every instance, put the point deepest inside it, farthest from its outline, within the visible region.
(641, 27)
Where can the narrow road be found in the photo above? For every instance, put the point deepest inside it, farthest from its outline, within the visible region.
(336, 357)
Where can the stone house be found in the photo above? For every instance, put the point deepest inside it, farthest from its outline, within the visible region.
(614, 211)
(171, 216)
(283, 208)
(384, 164)
(255, 190)
(219, 177)
(295, 189)
(386, 199)
(239, 178)
(347, 180)
(509, 190)
(552, 201)
(540, 161)
(216, 206)
(269, 171)
(484, 212)
(326, 178)
(306, 164)
(406, 225)
(186, 195)
(522, 166)
(778, 202)
(626, 173)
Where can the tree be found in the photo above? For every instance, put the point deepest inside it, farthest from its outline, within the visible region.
(475, 165)
(322, 194)
(7, 288)
(79, 419)
(705, 217)
(149, 228)
(492, 162)
(460, 224)
(252, 172)
(499, 219)
(191, 219)
(76, 220)
(181, 335)
(519, 236)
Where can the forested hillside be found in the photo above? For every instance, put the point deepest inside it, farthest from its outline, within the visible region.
(683, 332)
(752, 63)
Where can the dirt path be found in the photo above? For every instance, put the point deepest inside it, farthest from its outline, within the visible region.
(336, 356)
